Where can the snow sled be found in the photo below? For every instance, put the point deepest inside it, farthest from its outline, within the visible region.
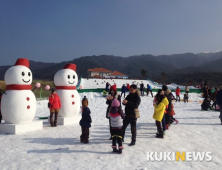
(188, 100)
(43, 117)
(217, 108)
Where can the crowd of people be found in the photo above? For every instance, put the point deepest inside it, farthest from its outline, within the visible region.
(210, 95)
(119, 119)
(163, 112)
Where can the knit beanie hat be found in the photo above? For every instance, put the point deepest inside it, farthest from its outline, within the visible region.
(168, 91)
(113, 87)
(164, 87)
(53, 90)
(84, 98)
(85, 101)
(115, 103)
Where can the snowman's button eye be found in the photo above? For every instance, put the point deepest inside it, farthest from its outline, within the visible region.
(23, 73)
(68, 76)
(29, 74)
(74, 77)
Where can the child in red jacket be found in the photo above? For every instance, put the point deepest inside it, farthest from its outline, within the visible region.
(178, 94)
(128, 87)
(55, 105)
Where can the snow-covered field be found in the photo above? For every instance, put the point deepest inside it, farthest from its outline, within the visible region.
(92, 83)
(59, 147)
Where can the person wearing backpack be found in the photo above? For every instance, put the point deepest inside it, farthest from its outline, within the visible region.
(116, 116)
(113, 94)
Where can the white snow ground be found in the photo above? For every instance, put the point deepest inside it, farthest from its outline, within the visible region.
(92, 83)
(59, 148)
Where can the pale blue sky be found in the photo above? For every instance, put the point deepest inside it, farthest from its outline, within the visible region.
(61, 30)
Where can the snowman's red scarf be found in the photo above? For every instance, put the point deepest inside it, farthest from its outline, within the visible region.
(65, 87)
(18, 87)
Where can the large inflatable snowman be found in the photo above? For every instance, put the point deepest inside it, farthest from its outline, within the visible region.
(66, 81)
(18, 102)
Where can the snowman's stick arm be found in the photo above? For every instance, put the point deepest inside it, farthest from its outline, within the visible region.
(3, 92)
(33, 88)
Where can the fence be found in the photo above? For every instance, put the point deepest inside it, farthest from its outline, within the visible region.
(99, 90)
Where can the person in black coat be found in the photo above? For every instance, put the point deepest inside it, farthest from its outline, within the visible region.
(113, 94)
(123, 90)
(206, 104)
(168, 94)
(205, 92)
(219, 102)
(107, 86)
(132, 103)
(85, 124)
(164, 87)
(202, 86)
(210, 91)
(1, 93)
(142, 89)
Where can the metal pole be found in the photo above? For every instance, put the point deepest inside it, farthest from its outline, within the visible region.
(40, 94)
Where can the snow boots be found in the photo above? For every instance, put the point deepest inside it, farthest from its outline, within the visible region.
(160, 135)
(51, 119)
(84, 138)
(115, 150)
(56, 117)
(171, 121)
(167, 127)
(132, 143)
(120, 150)
(176, 121)
(53, 123)
(164, 133)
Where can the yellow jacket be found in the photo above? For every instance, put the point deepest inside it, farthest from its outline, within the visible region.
(160, 109)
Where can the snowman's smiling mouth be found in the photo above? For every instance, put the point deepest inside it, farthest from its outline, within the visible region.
(25, 81)
(71, 83)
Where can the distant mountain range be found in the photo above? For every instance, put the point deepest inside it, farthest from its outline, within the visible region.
(179, 64)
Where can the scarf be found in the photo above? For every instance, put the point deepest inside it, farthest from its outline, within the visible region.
(18, 87)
